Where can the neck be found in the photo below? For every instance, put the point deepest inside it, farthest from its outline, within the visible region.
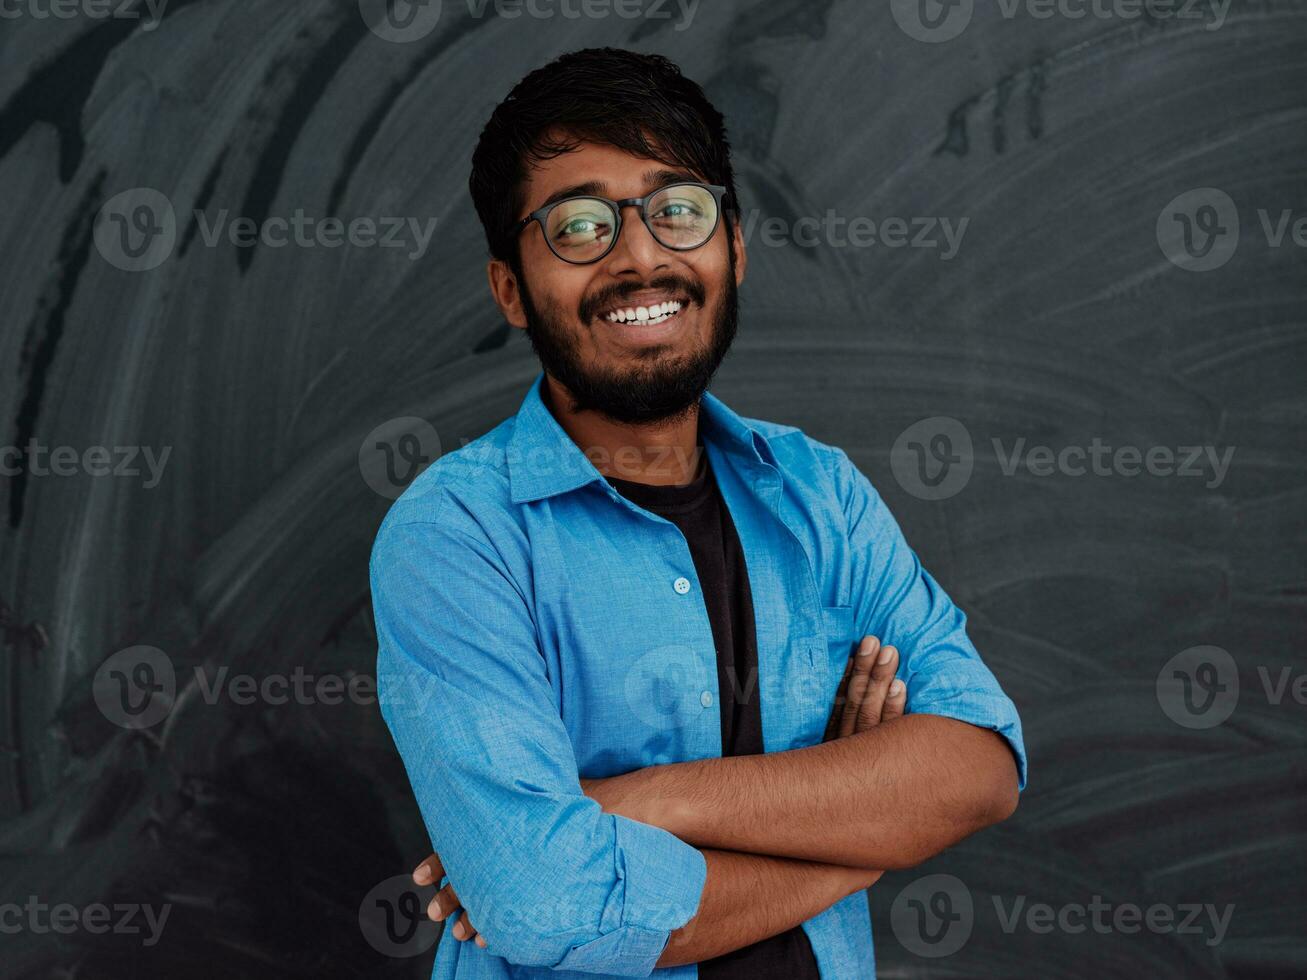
(660, 454)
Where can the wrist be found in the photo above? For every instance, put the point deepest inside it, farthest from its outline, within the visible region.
(861, 879)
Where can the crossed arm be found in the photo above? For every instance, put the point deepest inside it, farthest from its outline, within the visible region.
(807, 827)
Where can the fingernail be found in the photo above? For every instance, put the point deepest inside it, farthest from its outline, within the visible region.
(458, 930)
(434, 912)
(422, 875)
(481, 942)
(885, 654)
(897, 688)
(866, 649)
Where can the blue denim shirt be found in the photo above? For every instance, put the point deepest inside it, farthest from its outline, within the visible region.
(536, 627)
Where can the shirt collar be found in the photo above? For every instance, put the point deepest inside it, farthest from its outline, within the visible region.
(544, 461)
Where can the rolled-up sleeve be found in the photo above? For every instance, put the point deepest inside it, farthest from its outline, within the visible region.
(897, 600)
(544, 874)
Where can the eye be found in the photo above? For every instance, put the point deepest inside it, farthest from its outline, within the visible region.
(678, 210)
(578, 227)
(579, 223)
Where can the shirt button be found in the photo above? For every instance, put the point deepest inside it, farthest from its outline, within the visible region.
(681, 585)
(705, 699)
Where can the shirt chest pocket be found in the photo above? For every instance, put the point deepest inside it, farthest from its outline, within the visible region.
(838, 626)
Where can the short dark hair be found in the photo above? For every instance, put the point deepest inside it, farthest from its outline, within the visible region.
(640, 103)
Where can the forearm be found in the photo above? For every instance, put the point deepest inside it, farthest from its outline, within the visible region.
(751, 897)
(888, 797)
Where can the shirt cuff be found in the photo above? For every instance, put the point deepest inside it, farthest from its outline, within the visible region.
(971, 697)
(663, 880)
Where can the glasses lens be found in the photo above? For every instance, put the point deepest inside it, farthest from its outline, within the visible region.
(683, 215)
(580, 229)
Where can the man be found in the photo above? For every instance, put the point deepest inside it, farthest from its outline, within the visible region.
(627, 611)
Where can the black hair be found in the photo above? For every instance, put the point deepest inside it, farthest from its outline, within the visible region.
(640, 103)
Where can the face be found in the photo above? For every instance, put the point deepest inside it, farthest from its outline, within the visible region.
(635, 372)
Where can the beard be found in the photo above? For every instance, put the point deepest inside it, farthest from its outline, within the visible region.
(662, 388)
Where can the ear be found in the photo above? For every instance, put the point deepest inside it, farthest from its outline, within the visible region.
(741, 256)
(506, 292)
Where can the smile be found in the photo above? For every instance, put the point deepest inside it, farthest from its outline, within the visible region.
(645, 315)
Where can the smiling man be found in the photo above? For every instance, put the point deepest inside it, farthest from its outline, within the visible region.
(683, 689)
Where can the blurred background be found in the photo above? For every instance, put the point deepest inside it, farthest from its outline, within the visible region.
(1039, 266)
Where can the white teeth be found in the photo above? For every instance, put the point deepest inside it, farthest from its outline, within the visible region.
(645, 314)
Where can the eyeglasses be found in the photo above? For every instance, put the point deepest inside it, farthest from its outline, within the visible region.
(581, 230)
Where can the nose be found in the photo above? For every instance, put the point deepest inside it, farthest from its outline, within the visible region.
(636, 251)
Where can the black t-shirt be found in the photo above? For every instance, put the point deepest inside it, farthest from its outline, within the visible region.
(697, 508)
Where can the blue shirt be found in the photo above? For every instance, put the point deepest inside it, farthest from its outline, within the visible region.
(536, 627)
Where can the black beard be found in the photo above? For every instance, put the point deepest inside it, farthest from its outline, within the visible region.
(661, 391)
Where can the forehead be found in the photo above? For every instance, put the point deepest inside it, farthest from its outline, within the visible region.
(600, 169)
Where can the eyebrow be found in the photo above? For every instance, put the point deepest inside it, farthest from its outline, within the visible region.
(653, 180)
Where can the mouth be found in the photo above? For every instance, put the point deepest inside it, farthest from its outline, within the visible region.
(646, 314)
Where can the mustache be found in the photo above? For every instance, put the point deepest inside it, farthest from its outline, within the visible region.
(615, 294)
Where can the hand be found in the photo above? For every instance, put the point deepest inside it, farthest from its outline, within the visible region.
(868, 693)
(446, 903)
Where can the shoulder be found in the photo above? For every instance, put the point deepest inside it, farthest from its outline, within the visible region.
(464, 493)
(799, 454)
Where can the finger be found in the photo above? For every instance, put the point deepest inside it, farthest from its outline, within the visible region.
(837, 706)
(895, 701)
(444, 905)
(481, 940)
(863, 662)
(873, 700)
(463, 928)
(429, 871)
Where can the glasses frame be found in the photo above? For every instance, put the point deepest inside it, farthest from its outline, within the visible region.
(538, 216)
